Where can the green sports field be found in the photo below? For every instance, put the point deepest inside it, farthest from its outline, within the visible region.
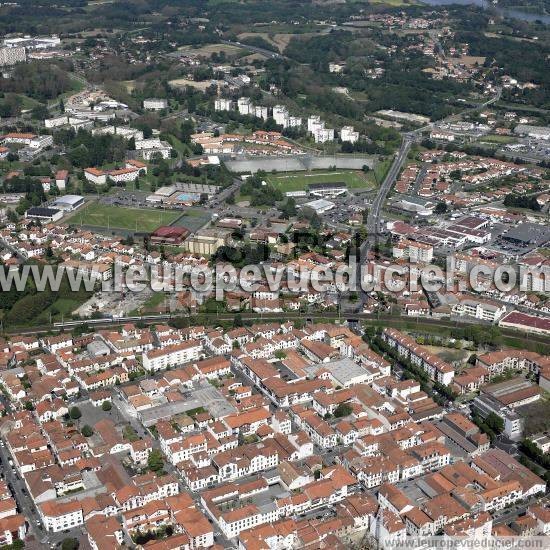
(296, 181)
(115, 217)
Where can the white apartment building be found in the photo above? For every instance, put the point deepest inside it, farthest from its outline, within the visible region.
(59, 516)
(480, 310)
(11, 56)
(245, 518)
(245, 106)
(322, 135)
(56, 122)
(170, 356)
(336, 67)
(294, 122)
(31, 140)
(153, 146)
(280, 115)
(124, 174)
(415, 252)
(261, 112)
(348, 134)
(123, 131)
(155, 104)
(314, 123)
(223, 104)
(41, 141)
(180, 451)
(442, 134)
(98, 177)
(97, 271)
(33, 43)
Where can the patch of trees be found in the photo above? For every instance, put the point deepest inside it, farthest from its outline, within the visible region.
(479, 335)
(34, 192)
(37, 79)
(31, 306)
(522, 201)
(88, 150)
(250, 122)
(318, 51)
(236, 13)
(261, 193)
(524, 60)
(288, 208)
(242, 255)
(10, 105)
(492, 424)
(535, 454)
(406, 88)
(363, 146)
(259, 42)
(343, 409)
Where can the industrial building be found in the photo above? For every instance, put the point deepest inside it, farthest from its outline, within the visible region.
(43, 214)
(320, 206)
(68, 203)
(169, 235)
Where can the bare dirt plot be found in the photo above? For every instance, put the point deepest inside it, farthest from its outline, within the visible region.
(184, 82)
(449, 354)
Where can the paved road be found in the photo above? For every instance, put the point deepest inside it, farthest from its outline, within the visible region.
(254, 49)
(373, 220)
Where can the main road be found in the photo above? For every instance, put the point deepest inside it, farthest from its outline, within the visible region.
(373, 219)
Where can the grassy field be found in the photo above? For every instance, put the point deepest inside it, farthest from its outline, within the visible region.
(494, 138)
(394, 3)
(209, 49)
(279, 40)
(136, 219)
(296, 181)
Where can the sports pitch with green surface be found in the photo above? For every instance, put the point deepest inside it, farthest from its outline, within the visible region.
(135, 219)
(297, 181)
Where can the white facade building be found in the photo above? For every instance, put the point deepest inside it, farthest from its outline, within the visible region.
(348, 134)
(56, 122)
(280, 115)
(261, 112)
(245, 106)
(155, 104)
(222, 104)
(322, 135)
(59, 516)
(314, 123)
(98, 177)
(178, 354)
(153, 146)
(11, 56)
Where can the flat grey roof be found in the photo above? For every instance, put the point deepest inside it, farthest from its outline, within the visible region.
(69, 199)
(344, 370)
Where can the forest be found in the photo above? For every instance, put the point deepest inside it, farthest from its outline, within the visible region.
(31, 306)
(39, 80)
(88, 150)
